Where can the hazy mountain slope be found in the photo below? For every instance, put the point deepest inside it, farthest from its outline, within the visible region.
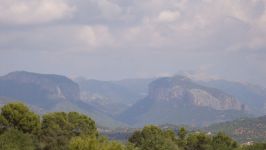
(138, 86)
(243, 130)
(111, 97)
(179, 100)
(38, 89)
(49, 93)
(254, 97)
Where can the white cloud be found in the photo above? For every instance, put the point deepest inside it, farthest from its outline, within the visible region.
(109, 10)
(168, 16)
(203, 25)
(72, 38)
(33, 11)
(95, 36)
(178, 34)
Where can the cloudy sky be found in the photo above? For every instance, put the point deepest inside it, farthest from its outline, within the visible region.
(115, 39)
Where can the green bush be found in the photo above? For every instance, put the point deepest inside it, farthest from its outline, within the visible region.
(153, 138)
(13, 139)
(94, 143)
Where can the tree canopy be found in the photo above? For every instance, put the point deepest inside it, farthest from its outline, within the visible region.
(59, 127)
(14, 139)
(18, 116)
(153, 138)
(94, 143)
(22, 129)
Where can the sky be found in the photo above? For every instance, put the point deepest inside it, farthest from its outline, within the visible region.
(116, 39)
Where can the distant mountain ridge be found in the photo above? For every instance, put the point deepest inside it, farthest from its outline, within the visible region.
(135, 102)
(179, 100)
(49, 93)
(39, 89)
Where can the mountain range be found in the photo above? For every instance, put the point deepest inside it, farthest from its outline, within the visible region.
(135, 102)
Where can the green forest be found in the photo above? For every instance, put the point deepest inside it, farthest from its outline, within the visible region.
(22, 129)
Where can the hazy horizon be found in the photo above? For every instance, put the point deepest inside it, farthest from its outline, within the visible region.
(119, 39)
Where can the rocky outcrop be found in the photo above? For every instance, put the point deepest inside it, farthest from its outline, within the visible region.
(205, 99)
(182, 90)
(253, 97)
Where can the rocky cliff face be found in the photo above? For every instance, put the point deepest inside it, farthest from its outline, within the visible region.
(182, 90)
(203, 98)
(252, 96)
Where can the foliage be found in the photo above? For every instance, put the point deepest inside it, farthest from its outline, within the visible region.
(4, 124)
(153, 138)
(94, 143)
(22, 129)
(181, 141)
(13, 139)
(59, 127)
(256, 146)
(198, 141)
(223, 142)
(18, 116)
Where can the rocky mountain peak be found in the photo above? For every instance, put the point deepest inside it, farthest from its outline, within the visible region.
(181, 89)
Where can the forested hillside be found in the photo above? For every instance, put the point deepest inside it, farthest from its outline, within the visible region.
(243, 130)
